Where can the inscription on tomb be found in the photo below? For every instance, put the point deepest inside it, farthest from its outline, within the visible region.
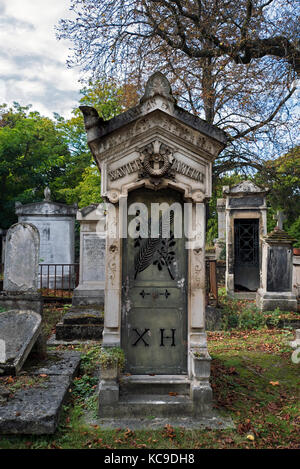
(93, 258)
(177, 166)
(170, 339)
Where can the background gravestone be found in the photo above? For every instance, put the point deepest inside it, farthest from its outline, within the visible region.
(56, 225)
(21, 326)
(20, 285)
(246, 223)
(90, 290)
(85, 319)
(276, 289)
(21, 259)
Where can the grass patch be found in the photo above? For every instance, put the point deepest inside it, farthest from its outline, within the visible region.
(244, 315)
(254, 381)
(51, 316)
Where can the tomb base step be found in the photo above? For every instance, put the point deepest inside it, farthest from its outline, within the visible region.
(83, 323)
(78, 331)
(149, 405)
(156, 385)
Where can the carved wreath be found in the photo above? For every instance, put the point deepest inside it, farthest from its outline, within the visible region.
(158, 154)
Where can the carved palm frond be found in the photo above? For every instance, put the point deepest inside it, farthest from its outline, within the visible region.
(145, 255)
(166, 221)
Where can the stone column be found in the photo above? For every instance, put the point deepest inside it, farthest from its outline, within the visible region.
(113, 279)
(276, 289)
(199, 358)
(221, 240)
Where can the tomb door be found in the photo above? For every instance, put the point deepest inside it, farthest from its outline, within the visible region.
(246, 254)
(154, 290)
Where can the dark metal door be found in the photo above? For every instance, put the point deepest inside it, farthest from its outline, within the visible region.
(246, 254)
(154, 319)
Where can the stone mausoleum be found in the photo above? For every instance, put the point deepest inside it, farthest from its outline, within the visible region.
(56, 225)
(155, 153)
(246, 224)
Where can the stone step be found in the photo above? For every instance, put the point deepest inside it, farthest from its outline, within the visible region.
(156, 385)
(149, 405)
(78, 331)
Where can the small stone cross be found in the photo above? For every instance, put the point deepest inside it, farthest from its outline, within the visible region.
(280, 217)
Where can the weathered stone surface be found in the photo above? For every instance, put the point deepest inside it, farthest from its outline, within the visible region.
(83, 316)
(279, 269)
(296, 277)
(21, 258)
(250, 201)
(36, 410)
(277, 265)
(90, 290)
(188, 423)
(246, 224)
(81, 323)
(245, 187)
(213, 318)
(69, 332)
(21, 301)
(56, 363)
(19, 331)
(55, 223)
(160, 152)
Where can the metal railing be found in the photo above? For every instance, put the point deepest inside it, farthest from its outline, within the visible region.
(58, 280)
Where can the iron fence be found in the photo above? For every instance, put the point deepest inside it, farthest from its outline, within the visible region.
(58, 280)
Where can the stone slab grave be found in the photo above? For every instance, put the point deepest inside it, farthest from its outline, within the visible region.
(81, 323)
(155, 154)
(35, 409)
(19, 331)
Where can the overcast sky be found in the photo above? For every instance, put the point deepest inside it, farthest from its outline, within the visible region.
(32, 62)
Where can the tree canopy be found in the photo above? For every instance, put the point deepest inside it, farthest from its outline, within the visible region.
(32, 154)
(37, 151)
(233, 63)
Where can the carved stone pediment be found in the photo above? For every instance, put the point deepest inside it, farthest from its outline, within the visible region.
(156, 144)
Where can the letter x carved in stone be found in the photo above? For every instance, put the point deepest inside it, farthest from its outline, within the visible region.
(140, 337)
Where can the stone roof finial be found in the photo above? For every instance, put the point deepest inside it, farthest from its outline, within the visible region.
(47, 194)
(158, 84)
